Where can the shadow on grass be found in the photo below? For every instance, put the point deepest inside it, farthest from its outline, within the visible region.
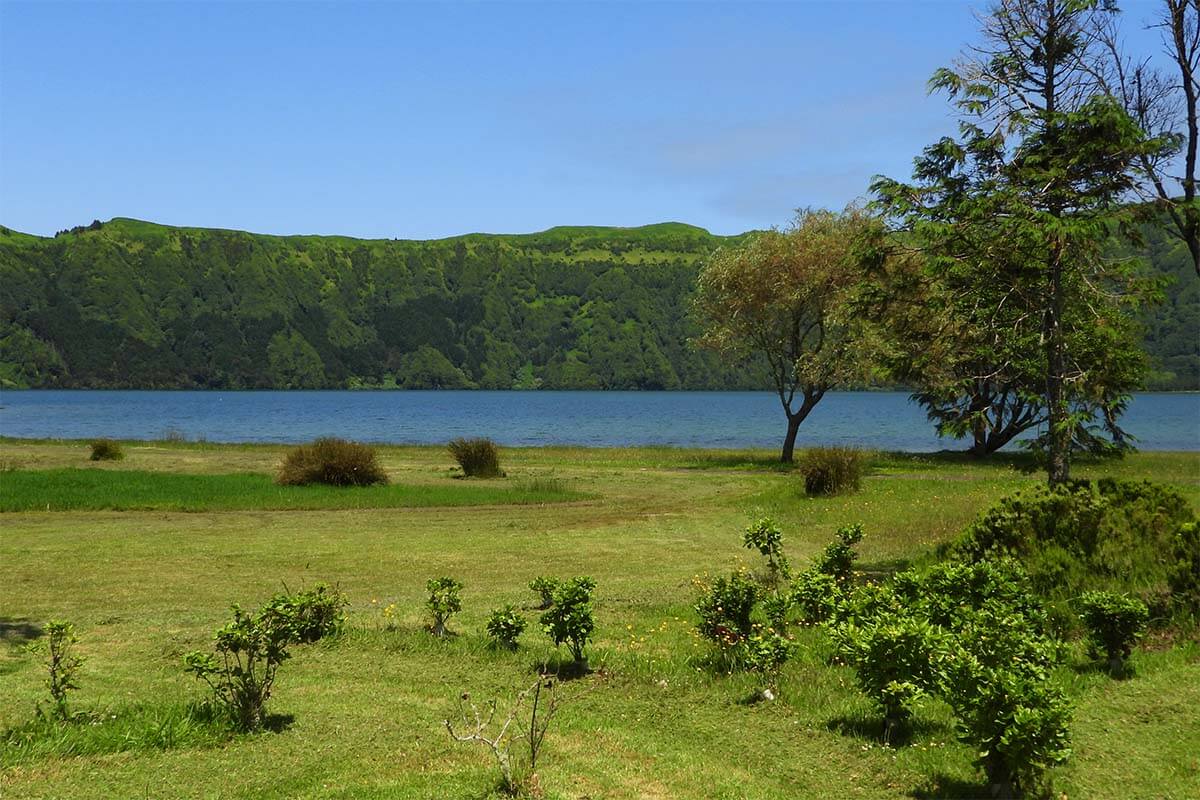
(873, 729)
(18, 631)
(946, 787)
(565, 669)
(882, 570)
(736, 460)
(278, 723)
(1123, 672)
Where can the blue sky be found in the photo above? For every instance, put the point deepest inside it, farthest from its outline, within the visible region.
(408, 120)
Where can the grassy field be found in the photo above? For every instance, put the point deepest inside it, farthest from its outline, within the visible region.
(364, 713)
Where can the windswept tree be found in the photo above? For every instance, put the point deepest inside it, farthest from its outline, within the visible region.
(798, 300)
(1015, 213)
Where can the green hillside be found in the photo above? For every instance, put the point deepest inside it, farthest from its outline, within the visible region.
(133, 304)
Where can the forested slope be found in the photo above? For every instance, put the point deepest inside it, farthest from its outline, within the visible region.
(134, 304)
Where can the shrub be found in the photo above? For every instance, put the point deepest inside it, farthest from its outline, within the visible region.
(570, 619)
(107, 450)
(832, 470)
(1184, 575)
(62, 665)
(334, 462)
(765, 536)
(951, 592)
(444, 601)
(765, 652)
(316, 613)
(893, 656)
(1114, 623)
(505, 625)
(725, 609)
(544, 587)
(479, 458)
(997, 682)
(816, 596)
(777, 608)
(839, 556)
(1104, 535)
(250, 649)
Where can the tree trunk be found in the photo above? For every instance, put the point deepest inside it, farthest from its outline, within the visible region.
(789, 441)
(794, 418)
(1058, 467)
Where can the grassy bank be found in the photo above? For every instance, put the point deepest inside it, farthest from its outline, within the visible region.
(142, 490)
(363, 714)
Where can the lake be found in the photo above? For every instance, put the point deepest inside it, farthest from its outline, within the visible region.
(885, 420)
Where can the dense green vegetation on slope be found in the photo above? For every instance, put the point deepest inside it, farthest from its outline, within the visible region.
(133, 304)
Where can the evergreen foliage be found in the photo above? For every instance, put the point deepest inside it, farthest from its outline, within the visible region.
(131, 304)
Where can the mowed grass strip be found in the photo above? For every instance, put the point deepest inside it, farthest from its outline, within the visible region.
(139, 490)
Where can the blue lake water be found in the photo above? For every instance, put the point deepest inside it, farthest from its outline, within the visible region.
(884, 420)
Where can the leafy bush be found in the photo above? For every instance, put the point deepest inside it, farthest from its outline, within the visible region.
(839, 556)
(816, 596)
(777, 608)
(544, 587)
(1104, 535)
(107, 450)
(335, 462)
(569, 619)
(975, 634)
(249, 650)
(1184, 575)
(1114, 623)
(996, 679)
(949, 593)
(62, 665)
(725, 609)
(765, 536)
(444, 601)
(317, 613)
(832, 470)
(479, 458)
(765, 652)
(893, 656)
(505, 625)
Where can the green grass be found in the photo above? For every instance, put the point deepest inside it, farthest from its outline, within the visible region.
(654, 721)
(126, 729)
(140, 490)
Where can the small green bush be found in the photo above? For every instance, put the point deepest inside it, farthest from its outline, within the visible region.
(725, 609)
(997, 681)
(765, 652)
(544, 587)
(241, 674)
(330, 461)
(839, 556)
(832, 470)
(107, 450)
(317, 613)
(444, 600)
(765, 536)
(62, 665)
(1184, 575)
(570, 619)
(505, 625)
(816, 596)
(1114, 623)
(479, 458)
(893, 656)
